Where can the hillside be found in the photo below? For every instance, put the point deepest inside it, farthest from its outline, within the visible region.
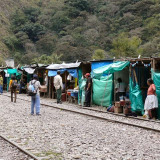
(67, 30)
(7, 8)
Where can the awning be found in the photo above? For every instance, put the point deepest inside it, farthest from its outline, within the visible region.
(72, 72)
(12, 71)
(29, 70)
(63, 66)
(109, 69)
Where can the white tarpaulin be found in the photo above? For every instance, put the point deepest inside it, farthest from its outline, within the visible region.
(63, 66)
(29, 70)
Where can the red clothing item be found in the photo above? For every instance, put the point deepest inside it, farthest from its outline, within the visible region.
(152, 90)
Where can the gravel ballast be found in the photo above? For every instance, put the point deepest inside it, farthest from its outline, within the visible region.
(9, 152)
(57, 134)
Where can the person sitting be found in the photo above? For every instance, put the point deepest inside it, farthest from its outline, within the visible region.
(120, 89)
(151, 102)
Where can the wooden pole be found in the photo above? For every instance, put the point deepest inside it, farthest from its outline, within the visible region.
(65, 81)
(135, 76)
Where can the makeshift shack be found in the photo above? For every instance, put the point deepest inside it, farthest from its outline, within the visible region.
(88, 68)
(140, 71)
(103, 79)
(69, 73)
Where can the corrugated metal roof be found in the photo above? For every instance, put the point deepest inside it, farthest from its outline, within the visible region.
(63, 66)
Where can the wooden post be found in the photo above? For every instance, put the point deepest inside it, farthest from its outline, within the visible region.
(135, 76)
(52, 88)
(49, 84)
(66, 84)
(154, 64)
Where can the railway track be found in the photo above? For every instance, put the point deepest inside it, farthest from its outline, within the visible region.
(16, 146)
(150, 127)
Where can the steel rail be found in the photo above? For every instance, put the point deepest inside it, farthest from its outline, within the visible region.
(20, 148)
(116, 114)
(121, 115)
(97, 117)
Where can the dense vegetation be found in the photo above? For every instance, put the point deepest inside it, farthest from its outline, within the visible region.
(69, 30)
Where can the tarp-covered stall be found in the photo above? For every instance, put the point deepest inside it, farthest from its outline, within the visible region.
(69, 73)
(105, 84)
(140, 72)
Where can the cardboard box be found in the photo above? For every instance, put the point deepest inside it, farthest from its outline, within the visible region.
(117, 104)
(118, 109)
(126, 109)
(63, 97)
(43, 89)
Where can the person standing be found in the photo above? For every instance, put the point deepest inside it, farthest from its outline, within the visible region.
(1, 84)
(120, 89)
(13, 88)
(151, 102)
(58, 86)
(35, 100)
(88, 90)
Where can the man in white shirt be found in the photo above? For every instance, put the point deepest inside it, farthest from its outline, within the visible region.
(58, 86)
(120, 89)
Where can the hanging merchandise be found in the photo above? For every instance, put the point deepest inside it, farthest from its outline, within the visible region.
(146, 65)
(69, 77)
(133, 64)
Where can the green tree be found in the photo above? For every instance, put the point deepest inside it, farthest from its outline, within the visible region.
(82, 5)
(44, 59)
(59, 21)
(124, 46)
(99, 54)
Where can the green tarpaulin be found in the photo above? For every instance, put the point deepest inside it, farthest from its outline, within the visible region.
(82, 85)
(136, 98)
(156, 78)
(102, 91)
(109, 69)
(103, 85)
(13, 71)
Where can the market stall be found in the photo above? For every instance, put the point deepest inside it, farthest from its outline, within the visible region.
(69, 74)
(103, 86)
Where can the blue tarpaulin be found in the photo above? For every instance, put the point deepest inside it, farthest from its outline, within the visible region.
(72, 72)
(98, 64)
